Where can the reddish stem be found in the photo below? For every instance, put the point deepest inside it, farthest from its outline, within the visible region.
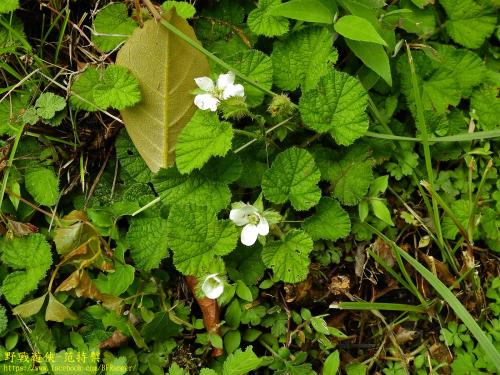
(210, 310)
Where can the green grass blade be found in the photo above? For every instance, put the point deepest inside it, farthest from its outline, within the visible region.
(377, 306)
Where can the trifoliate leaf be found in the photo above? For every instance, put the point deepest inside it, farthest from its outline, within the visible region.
(336, 106)
(30, 254)
(113, 87)
(196, 189)
(130, 160)
(304, 10)
(48, 104)
(258, 67)
(487, 106)
(293, 176)
(350, 179)
(43, 184)
(358, 28)
(182, 8)
(262, 22)
(289, 258)
(469, 23)
(241, 362)
(294, 57)
(197, 238)
(7, 6)
(203, 137)
(114, 21)
(330, 222)
(147, 237)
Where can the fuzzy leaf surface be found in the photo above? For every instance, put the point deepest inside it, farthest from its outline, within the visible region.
(262, 22)
(330, 222)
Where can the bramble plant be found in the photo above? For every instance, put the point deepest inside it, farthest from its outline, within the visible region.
(230, 187)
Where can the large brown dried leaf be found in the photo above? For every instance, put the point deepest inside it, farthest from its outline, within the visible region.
(165, 66)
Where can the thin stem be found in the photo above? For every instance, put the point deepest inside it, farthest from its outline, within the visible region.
(9, 164)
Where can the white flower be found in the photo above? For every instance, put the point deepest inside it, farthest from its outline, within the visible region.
(224, 89)
(254, 223)
(212, 286)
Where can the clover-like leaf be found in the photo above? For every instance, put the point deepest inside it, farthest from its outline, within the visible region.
(262, 22)
(43, 184)
(337, 106)
(48, 104)
(113, 87)
(330, 222)
(112, 26)
(147, 237)
(32, 255)
(198, 239)
(203, 137)
(293, 58)
(289, 258)
(293, 176)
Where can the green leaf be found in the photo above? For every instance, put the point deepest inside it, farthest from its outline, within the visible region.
(350, 179)
(487, 106)
(147, 238)
(182, 8)
(460, 209)
(30, 254)
(113, 87)
(7, 6)
(117, 282)
(381, 211)
(57, 312)
(232, 341)
(243, 291)
(293, 58)
(43, 184)
(166, 67)
(356, 369)
(289, 258)
(332, 364)
(48, 104)
(373, 56)
(30, 307)
(130, 160)
(262, 22)
(257, 66)
(197, 188)
(3, 320)
(330, 222)
(304, 10)
(197, 238)
(114, 21)
(293, 176)
(358, 28)
(241, 362)
(320, 325)
(336, 106)
(469, 23)
(203, 137)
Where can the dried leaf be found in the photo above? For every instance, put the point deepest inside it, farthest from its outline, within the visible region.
(165, 66)
(57, 312)
(30, 307)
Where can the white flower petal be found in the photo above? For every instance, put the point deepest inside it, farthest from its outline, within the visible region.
(205, 83)
(239, 216)
(225, 80)
(206, 101)
(212, 286)
(263, 227)
(233, 90)
(249, 234)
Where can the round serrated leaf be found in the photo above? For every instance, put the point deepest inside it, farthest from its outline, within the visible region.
(330, 222)
(293, 176)
(350, 180)
(43, 184)
(289, 258)
(262, 22)
(337, 106)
